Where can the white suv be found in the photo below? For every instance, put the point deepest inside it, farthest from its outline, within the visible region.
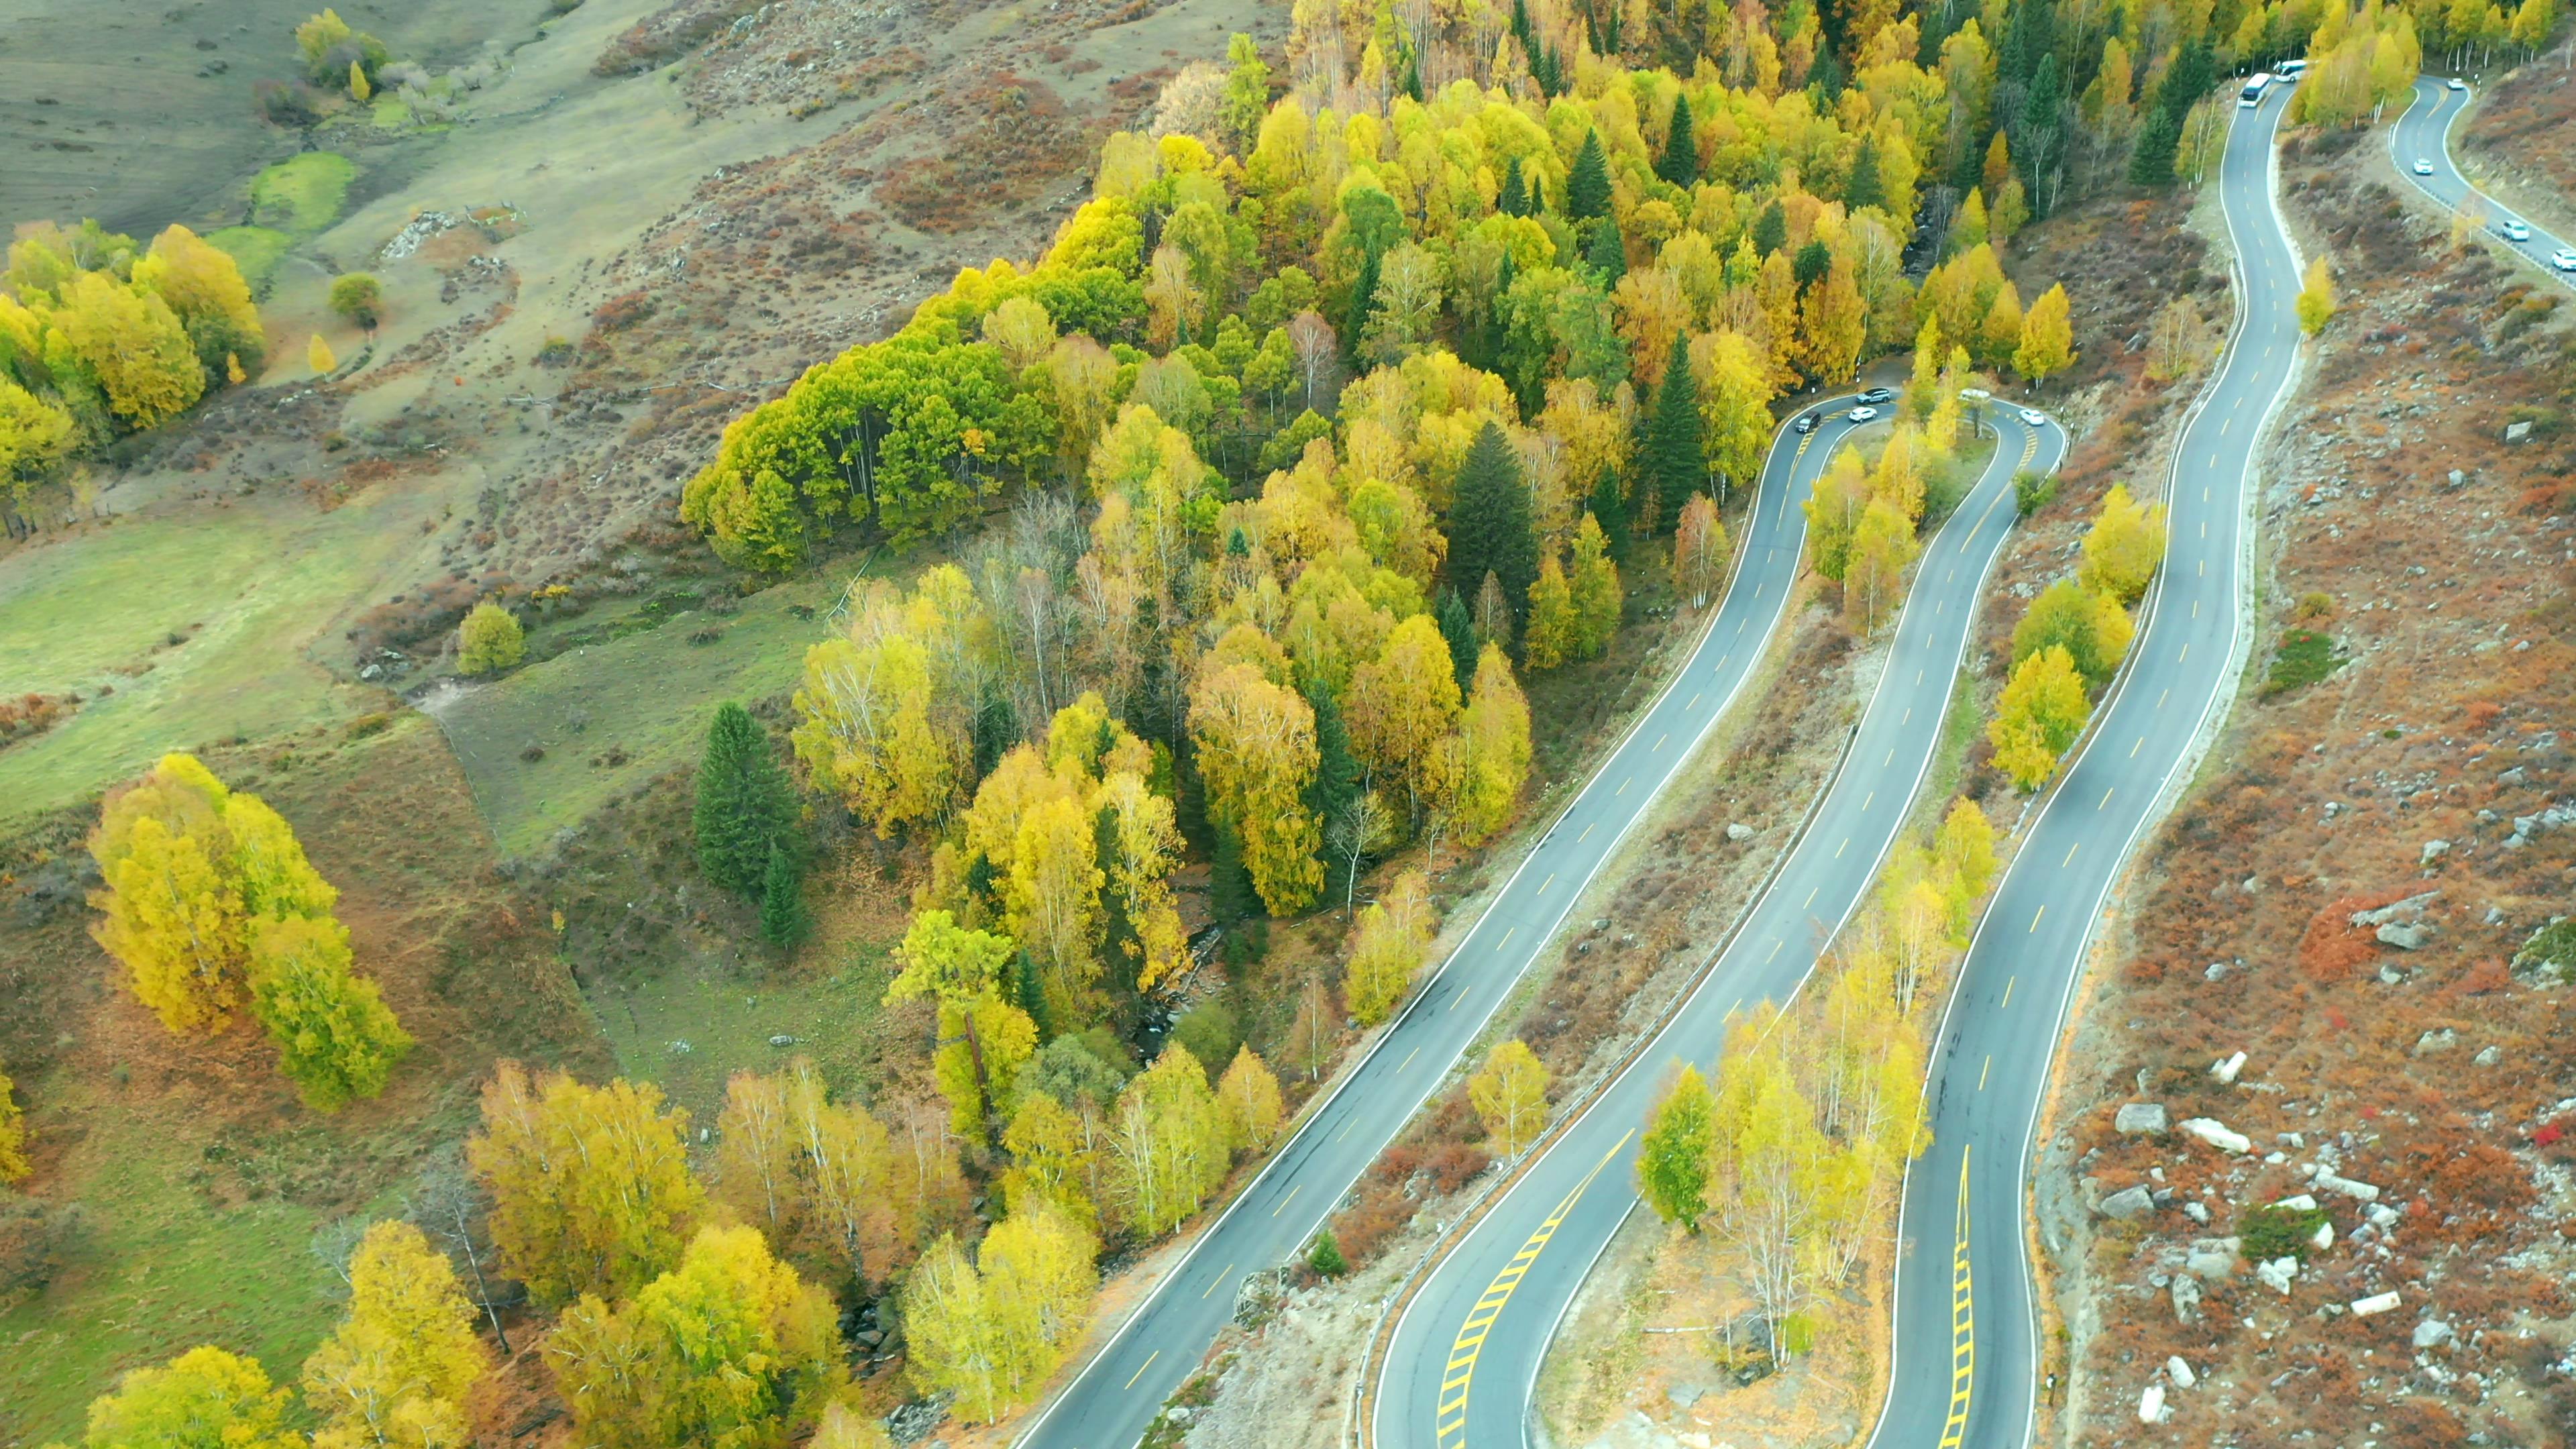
(2564, 259)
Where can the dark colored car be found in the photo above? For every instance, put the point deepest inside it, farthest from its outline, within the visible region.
(1806, 423)
(1878, 395)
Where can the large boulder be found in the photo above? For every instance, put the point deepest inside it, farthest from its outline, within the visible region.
(2141, 1119)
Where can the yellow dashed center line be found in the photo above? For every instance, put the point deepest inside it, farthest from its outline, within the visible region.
(1140, 1369)
(1220, 1279)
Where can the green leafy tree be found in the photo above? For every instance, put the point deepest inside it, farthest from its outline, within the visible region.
(1247, 94)
(1770, 229)
(1325, 1257)
(985, 1040)
(746, 809)
(2089, 625)
(359, 297)
(1672, 1158)
(1458, 631)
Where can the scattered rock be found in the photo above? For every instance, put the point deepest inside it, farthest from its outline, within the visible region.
(2405, 935)
(2215, 970)
(2436, 1042)
(2180, 1372)
(2349, 1188)
(2129, 1203)
(2303, 1203)
(1685, 1395)
(2225, 1070)
(2322, 1238)
(2279, 1273)
(2488, 1056)
(2197, 1211)
(2405, 910)
(2516, 432)
(2381, 1215)
(1738, 831)
(2375, 1303)
(2430, 1332)
(2458, 478)
(2186, 1297)
(2434, 850)
(2216, 1134)
(2212, 1257)
(2151, 1405)
(2141, 1118)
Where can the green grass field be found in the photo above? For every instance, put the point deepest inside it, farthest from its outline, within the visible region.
(302, 194)
(726, 1025)
(256, 250)
(247, 592)
(160, 1268)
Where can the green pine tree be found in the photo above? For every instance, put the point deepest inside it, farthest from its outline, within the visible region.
(783, 922)
(1609, 505)
(1363, 299)
(1866, 186)
(1230, 895)
(1326, 1256)
(1680, 162)
(1336, 786)
(1811, 264)
(745, 807)
(1675, 460)
(1514, 200)
(2151, 161)
(1607, 253)
(1489, 522)
(1587, 190)
(1458, 631)
(1770, 230)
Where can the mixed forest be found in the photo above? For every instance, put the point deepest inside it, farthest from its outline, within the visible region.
(1329, 420)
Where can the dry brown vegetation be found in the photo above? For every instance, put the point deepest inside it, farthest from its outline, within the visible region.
(2431, 1071)
(2516, 138)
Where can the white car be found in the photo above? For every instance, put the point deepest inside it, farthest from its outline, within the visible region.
(2458, 84)
(1863, 415)
(2513, 230)
(2423, 167)
(2564, 259)
(2033, 416)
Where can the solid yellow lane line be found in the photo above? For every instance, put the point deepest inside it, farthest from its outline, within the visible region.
(1140, 1369)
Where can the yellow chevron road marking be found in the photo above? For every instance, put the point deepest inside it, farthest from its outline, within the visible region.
(1451, 1421)
(1963, 1322)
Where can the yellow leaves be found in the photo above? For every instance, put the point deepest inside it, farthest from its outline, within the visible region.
(1393, 938)
(204, 1396)
(1247, 1099)
(2047, 337)
(884, 711)
(2125, 546)
(133, 344)
(1493, 763)
(992, 1334)
(406, 1354)
(2040, 714)
(1256, 752)
(1510, 1094)
(2316, 298)
(1883, 546)
(490, 639)
(590, 1185)
(14, 1166)
(1402, 704)
(1167, 1144)
(204, 286)
(319, 356)
(176, 923)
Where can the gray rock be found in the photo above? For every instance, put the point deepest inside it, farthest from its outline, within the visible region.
(2140, 1118)
(2186, 1297)
(2458, 478)
(1683, 1395)
(2279, 1274)
(2180, 1372)
(2211, 1257)
(2434, 1043)
(1739, 832)
(2405, 935)
(2216, 969)
(2488, 1056)
(2129, 1203)
(2434, 850)
(2516, 432)
(2405, 910)
(2197, 1211)
(2430, 1332)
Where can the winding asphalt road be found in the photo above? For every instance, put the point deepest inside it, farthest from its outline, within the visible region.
(1115, 1397)
(2424, 134)
(1463, 1361)
(1966, 1352)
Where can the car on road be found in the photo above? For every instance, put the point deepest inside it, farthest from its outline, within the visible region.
(2033, 416)
(2564, 259)
(1806, 423)
(2458, 84)
(2423, 167)
(2513, 230)
(1876, 395)
(1862, 415)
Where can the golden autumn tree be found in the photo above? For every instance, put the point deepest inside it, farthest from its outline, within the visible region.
(14, 1166)
(319, 356)
(590, 1185)
(1493, 752)
(844, 1165)
(1166, 1148)
(1255, 743)
(1402, 705)
(136, 348)
(728, 1348)
(204, 288)
(2047, 345)
(2124, 547)
(397, 1370)
(757, 1154)
(1548, 638)
(1882, 548)
(336, 1039)
(1053, 1164)
(992, 1329)
(1247, 1098)
(1599, 599)
(984, 1038)
(2040, 714)
(204, 1396)
(1510, 1094)
(884, 715)
(1699, 551)
(1390, 944)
